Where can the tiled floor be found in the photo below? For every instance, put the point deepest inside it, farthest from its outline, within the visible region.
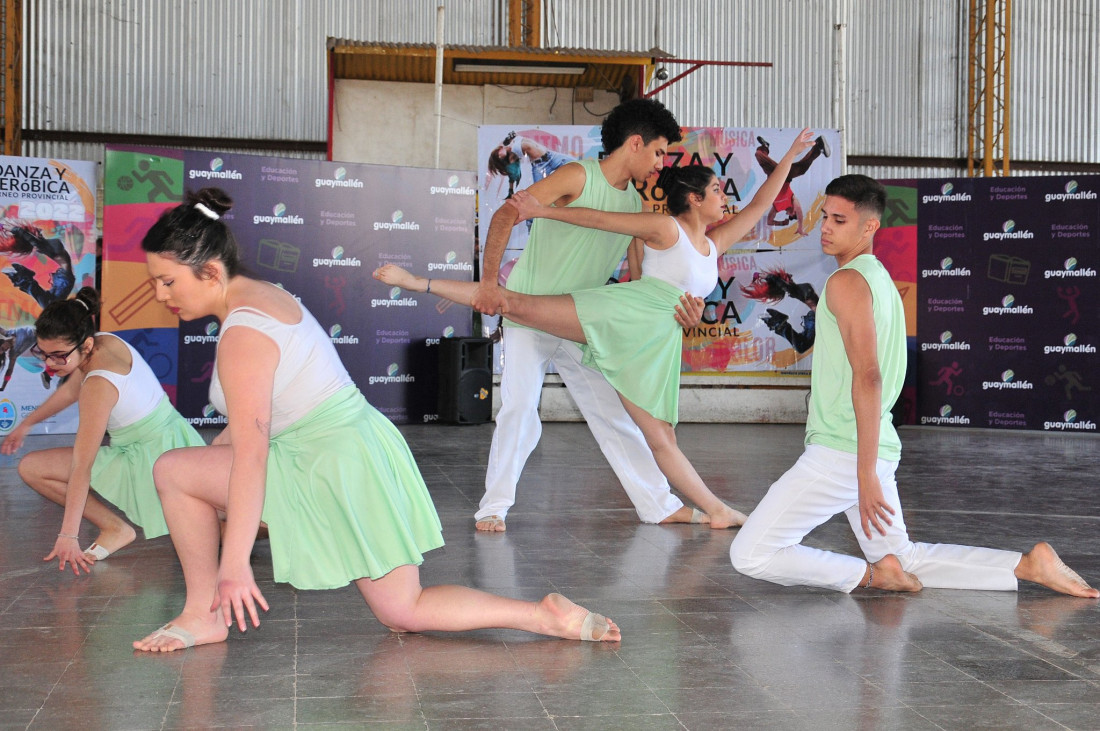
(703, 647)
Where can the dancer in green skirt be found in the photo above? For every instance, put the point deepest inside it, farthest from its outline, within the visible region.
(119, 395)
(627, 329)
(305, 453)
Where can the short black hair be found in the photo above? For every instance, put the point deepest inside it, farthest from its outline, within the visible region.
(868, 195)
(645, 117)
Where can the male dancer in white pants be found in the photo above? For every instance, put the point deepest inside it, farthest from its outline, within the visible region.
(561, 258)
(852, 449)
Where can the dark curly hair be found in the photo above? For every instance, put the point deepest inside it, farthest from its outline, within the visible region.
(645, 117)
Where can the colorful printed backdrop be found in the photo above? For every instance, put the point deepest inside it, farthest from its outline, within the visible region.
(747, 328)
(318, 229)
(47, 253)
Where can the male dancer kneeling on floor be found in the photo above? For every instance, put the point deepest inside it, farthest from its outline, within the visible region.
(852, 449)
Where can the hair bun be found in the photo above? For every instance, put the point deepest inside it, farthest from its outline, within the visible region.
(216, 199)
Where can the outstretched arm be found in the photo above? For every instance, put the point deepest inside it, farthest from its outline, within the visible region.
(656, 228)
(733, 230)
(851, 301)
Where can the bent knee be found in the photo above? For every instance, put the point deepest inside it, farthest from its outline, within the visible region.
(397, 621)
(747, 558)
(166, 468)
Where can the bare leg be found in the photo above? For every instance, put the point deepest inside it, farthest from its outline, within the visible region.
(403, 605)
(890, 576)
(554, 314)
(661, 438)
(1042, 565)
(194, 485)
(47, 473)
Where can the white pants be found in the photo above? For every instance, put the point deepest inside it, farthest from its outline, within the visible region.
(823, 483)
(518, 427)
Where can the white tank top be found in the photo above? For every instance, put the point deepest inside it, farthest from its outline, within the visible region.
(309, 369)
(682, 266)
(139, 391)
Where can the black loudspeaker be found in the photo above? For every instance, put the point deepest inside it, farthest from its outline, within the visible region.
(465, 380)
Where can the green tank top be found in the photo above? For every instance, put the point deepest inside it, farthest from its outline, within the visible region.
(561, 257)
(832, 420)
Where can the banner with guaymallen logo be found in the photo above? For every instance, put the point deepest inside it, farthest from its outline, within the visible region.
(760, 318)
(318, 229)
(47, 253)
(1009, 303)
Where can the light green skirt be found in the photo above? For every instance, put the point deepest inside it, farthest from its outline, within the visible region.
(122, 473)
(635, 342)
(345, 499)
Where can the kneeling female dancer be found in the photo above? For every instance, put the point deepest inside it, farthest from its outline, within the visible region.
(627, 328)
(119, 394)
(330, 476)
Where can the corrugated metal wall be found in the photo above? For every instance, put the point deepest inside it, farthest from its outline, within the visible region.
(255, 69)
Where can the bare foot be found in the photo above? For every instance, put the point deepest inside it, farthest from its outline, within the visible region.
(197, 631)
(890, 576)
(560, 617)
(115, 539)
(395, 275)
(683, 515)
(491, 524)
(727, 517)
(1042, 565)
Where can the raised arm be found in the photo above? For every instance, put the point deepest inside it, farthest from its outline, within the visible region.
(735, 229)
(97, 397)
(850, 300)
(246, 369)
(655, 228)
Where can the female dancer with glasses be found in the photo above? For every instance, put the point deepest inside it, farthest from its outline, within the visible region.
(118, 394)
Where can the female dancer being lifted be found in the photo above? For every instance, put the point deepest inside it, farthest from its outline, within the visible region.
(628, 328)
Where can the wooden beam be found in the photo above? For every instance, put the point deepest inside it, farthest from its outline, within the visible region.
(13, 77)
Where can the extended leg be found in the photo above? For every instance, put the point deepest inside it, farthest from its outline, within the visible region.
(620, 440)
(661, 438)
(554, 314)
(402, 604)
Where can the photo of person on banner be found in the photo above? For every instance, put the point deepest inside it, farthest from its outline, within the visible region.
(627, 329)
(786, 202)
(504, 162)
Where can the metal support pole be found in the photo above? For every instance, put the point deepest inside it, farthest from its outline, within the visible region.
(438, 79)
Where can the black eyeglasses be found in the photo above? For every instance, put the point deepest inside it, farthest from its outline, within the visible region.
(53, 358)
